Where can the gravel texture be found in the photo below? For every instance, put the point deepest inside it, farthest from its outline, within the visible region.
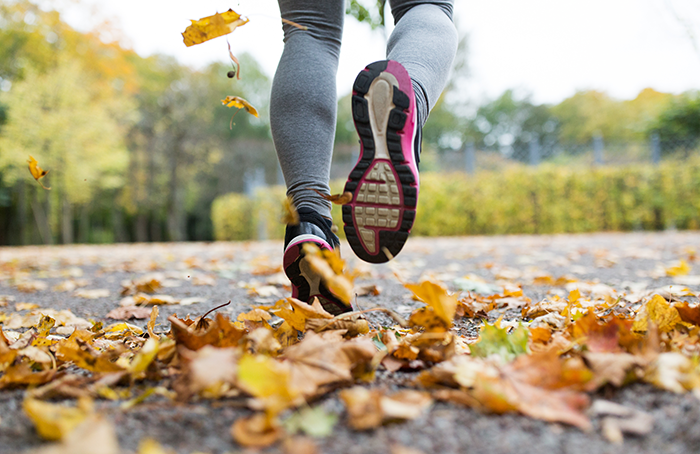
(624, 261)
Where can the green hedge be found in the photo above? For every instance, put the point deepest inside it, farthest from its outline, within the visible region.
(519, 199)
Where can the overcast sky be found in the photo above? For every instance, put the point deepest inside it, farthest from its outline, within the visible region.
(549, 48)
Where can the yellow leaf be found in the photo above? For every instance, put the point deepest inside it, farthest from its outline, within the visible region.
(268, 380)
(289, 212)
(53, 421)
(240, 103)
(681, 269)
(435, 295)
(658, 311)
(211, 27)
(36, 171)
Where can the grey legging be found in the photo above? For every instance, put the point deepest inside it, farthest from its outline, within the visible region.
(303, 99)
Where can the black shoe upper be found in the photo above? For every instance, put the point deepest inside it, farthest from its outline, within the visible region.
(310, 222)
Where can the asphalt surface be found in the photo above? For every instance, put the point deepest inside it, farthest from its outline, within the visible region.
(218, 272)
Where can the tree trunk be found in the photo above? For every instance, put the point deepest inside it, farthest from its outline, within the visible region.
(120, 234)
(22, 225)
(84, 228)
(42, 222)
(175, 228)
(66, 221)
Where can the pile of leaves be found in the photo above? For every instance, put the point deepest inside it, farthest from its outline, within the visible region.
(289, 354)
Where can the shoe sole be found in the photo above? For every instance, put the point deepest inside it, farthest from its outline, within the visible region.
(305, 284)
(384, 182)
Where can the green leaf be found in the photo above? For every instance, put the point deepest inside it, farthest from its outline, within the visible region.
(496, 341)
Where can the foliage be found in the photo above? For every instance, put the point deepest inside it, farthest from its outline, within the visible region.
(679, 123)
(364, 14)
(518, 199)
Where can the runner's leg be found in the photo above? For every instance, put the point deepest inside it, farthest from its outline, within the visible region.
(303, 98)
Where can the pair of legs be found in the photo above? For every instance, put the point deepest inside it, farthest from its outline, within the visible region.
(303, 100)
(391, 100)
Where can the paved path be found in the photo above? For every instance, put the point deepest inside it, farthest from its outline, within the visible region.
(245, 274)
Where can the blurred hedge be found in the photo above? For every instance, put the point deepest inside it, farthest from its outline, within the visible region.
(544, 199)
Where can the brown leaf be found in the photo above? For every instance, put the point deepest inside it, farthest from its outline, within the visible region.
(611, 368)
(151, 325)
(322, 359)
(209, 372)
(256, 431)
(688, 313)
(328, 265)
(211, 27)
(219, 333)
(370, 408)
(338, 199)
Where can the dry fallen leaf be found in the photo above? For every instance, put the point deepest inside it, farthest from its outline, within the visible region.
(55, 421)
(211, 27)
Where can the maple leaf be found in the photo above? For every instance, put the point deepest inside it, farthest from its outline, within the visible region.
(211, 27)
(658, 311)
(240, 103)
(36, 171)
(494, 340)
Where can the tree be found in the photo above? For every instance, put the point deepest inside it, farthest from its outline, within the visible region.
(58, 118)
(678, 126)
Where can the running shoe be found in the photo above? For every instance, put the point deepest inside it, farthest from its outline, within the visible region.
(307, 285)
(384, 182)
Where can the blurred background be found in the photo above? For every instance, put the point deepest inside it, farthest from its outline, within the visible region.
(558, 117)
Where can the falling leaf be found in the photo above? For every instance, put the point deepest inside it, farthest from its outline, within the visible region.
(36, 171)
(55, 421)
(211, 27)
(328, 265)
(290, 216)
(239, 103)
(338, 199)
